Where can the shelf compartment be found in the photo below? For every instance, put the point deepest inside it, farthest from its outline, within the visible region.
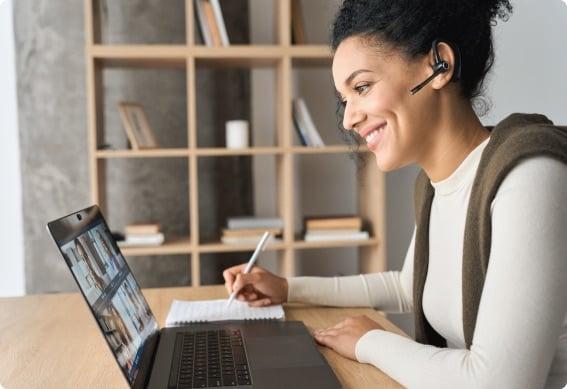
(170, 247)
(150, 191)
(161, 271)
(167, 116)
(133, 22)
(144, 153)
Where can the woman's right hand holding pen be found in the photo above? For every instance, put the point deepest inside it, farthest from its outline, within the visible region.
(259, 287)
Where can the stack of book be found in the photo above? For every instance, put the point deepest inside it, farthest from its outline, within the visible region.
(211, 22)
(304, 125)
(244, 230)
(143, 235)
(334, 228)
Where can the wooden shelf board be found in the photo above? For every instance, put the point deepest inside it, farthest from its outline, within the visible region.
(218, 247)
(140, 55)
(332, 149)
(236, 55)
(137, 51)
(144, 153)
(175, 246)
(301, 244)
(311, 56)
(310, 51)
(222, 151)
(183, 246)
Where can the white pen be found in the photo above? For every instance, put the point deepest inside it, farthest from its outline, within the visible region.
(251, 262)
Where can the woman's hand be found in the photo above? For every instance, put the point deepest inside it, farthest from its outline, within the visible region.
(259, 287)
(343, 337)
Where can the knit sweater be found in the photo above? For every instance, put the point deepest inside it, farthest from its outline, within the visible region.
(520, 337)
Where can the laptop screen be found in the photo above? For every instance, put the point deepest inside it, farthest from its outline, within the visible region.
(109, 288)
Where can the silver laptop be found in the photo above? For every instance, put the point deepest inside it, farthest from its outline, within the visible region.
(227, 354)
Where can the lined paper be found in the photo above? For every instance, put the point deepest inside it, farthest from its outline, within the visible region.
(182, 312)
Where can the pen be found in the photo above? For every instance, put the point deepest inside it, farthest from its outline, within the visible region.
(251, 262)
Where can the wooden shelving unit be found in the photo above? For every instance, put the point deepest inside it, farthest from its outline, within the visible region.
(282, 57)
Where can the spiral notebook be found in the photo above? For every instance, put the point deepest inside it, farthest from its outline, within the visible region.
(183, 312)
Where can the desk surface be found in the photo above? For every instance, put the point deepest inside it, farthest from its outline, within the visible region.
(52, 341)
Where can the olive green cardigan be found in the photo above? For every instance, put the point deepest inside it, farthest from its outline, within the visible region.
(517, 137)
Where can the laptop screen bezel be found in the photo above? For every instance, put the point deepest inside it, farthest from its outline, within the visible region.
(70, 227)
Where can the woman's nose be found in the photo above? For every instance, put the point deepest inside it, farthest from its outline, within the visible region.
(351, 117)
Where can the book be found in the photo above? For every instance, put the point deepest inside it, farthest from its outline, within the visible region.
(202, 23)
(242, 222)
(144, 239)
(306, 123)
(148, 228)
(244, 232)
(183, 312)
(361, 235)
(333, 231)
(211, 22)
(297, 26)
(220, 22)
(303, 138)
(333, 222)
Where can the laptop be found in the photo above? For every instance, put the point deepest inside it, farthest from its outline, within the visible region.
(226, 354)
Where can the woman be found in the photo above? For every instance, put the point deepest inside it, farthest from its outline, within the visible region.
(486, 268)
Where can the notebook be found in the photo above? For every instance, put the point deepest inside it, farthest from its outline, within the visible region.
(182, 312)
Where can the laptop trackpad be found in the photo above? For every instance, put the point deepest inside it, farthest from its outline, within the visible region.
(282, 352)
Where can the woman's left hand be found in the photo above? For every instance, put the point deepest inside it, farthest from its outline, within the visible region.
(343, 337)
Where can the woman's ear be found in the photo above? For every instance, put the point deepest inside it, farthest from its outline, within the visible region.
(446, 54)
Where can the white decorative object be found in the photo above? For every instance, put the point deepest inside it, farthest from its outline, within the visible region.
(237, 134)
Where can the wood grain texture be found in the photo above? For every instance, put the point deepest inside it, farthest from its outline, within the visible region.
(52, 341)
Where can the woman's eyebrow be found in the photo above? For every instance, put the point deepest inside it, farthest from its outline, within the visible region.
(356, 73)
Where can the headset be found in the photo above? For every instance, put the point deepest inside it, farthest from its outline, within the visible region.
(440, 65)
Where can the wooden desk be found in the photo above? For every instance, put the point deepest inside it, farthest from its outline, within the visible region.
(52, 341)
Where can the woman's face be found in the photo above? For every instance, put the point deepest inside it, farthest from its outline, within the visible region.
(373, 83)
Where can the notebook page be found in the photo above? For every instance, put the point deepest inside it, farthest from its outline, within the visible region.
(216, 310)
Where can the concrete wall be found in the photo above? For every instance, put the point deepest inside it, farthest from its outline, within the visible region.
(11, 225)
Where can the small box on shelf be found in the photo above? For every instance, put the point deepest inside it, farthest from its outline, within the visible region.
(334, 228)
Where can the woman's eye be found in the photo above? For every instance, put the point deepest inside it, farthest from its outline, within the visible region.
(361, 88)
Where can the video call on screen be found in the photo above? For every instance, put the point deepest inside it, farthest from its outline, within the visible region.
(112, 293)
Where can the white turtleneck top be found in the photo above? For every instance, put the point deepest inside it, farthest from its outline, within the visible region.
(520, 338)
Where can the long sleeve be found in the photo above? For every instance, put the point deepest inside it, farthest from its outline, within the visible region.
(523, 303)
(387, 291)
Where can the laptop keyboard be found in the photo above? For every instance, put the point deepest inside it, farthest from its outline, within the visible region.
(209, 359)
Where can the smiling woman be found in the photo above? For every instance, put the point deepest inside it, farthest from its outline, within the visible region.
(484, 273)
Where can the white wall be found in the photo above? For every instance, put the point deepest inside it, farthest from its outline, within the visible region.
(11, 225)
(530, 72)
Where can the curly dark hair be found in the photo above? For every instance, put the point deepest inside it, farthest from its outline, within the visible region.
(410, 26)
